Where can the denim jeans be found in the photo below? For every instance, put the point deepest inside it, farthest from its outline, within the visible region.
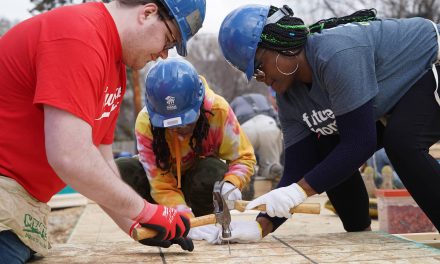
(12, 250)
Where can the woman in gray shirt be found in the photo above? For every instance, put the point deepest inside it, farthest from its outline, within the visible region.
(345, 87)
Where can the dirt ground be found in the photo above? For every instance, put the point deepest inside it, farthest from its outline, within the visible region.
(62, 222)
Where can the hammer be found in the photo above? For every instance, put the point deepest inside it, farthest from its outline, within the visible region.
(220, 204)
(221, 210)
(221, 216)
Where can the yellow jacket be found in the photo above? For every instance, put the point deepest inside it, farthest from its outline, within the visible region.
(225, 141)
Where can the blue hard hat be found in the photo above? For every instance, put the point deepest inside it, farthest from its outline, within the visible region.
(189, 16)
(174, 93)
(239, 36)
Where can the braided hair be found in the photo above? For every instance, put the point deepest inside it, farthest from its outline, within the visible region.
(289, 35)
(160, 145)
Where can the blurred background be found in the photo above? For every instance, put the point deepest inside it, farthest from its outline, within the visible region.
(204, 52)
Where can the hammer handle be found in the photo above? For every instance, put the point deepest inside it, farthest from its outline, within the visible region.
(143, 233)
(304, 208)
(240, 205)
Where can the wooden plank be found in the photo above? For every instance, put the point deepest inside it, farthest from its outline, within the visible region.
(358, 247)
(435, 151)
(424, 260)
(420, 236)
(67, 200)
(429, 239)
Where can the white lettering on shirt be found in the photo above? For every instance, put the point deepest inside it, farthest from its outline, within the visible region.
(111, 102)
(315, 119)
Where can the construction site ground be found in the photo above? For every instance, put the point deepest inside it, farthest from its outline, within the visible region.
(305, 238)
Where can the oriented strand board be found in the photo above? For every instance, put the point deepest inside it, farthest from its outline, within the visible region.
(361, 247)
(303, 239)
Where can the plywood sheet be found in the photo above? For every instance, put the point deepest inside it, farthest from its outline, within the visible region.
(362, 247)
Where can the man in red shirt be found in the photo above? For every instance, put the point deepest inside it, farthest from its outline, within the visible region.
(62, 76)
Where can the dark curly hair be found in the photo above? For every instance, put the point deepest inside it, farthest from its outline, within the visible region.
(289, 35)
(160, 146)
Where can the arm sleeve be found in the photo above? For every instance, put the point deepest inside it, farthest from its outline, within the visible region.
(67, 81)
(299, 159)
(110, 135)
(357, 143)
(236, 149)
(163, 184)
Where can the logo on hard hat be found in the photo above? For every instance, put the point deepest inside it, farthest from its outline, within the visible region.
(170, 102)
(194, 21)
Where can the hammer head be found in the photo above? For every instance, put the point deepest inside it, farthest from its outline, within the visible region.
(221, 210)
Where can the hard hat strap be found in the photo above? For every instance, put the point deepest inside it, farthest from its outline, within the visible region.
(275, 17)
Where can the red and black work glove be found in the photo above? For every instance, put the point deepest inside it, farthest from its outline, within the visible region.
(185, 243)
(170, 225)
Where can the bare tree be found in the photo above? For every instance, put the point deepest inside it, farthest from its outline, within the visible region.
(386, 8)
(5, 25)
(42, 6)
(204, 52)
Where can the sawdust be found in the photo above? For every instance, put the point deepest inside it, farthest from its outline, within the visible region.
(62, 222)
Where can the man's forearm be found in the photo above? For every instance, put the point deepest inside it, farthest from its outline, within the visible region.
(78, 162)
(92, 176)
(123, 222)
(107, 153)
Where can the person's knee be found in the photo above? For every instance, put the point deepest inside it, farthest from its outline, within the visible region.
(133, 173)
(274, 171)
(127, 163)
(129, 167)
(358, 227)
(397, 142)
(207, 172)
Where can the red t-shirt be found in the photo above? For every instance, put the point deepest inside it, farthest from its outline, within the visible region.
(69, 58)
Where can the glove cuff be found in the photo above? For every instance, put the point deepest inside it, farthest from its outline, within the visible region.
(184, 210)
(261, 229)
(301, 190)
(147, 212)
(133, 226)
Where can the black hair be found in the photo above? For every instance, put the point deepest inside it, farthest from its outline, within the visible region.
(160, 146)
(289, 35)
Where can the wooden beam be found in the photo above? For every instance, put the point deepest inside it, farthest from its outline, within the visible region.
(67, 200)
(136, 92)
(430, 239)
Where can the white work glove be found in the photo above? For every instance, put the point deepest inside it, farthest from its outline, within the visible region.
(243, 232)
(209, 233)
(279, 201)
(234, 195)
